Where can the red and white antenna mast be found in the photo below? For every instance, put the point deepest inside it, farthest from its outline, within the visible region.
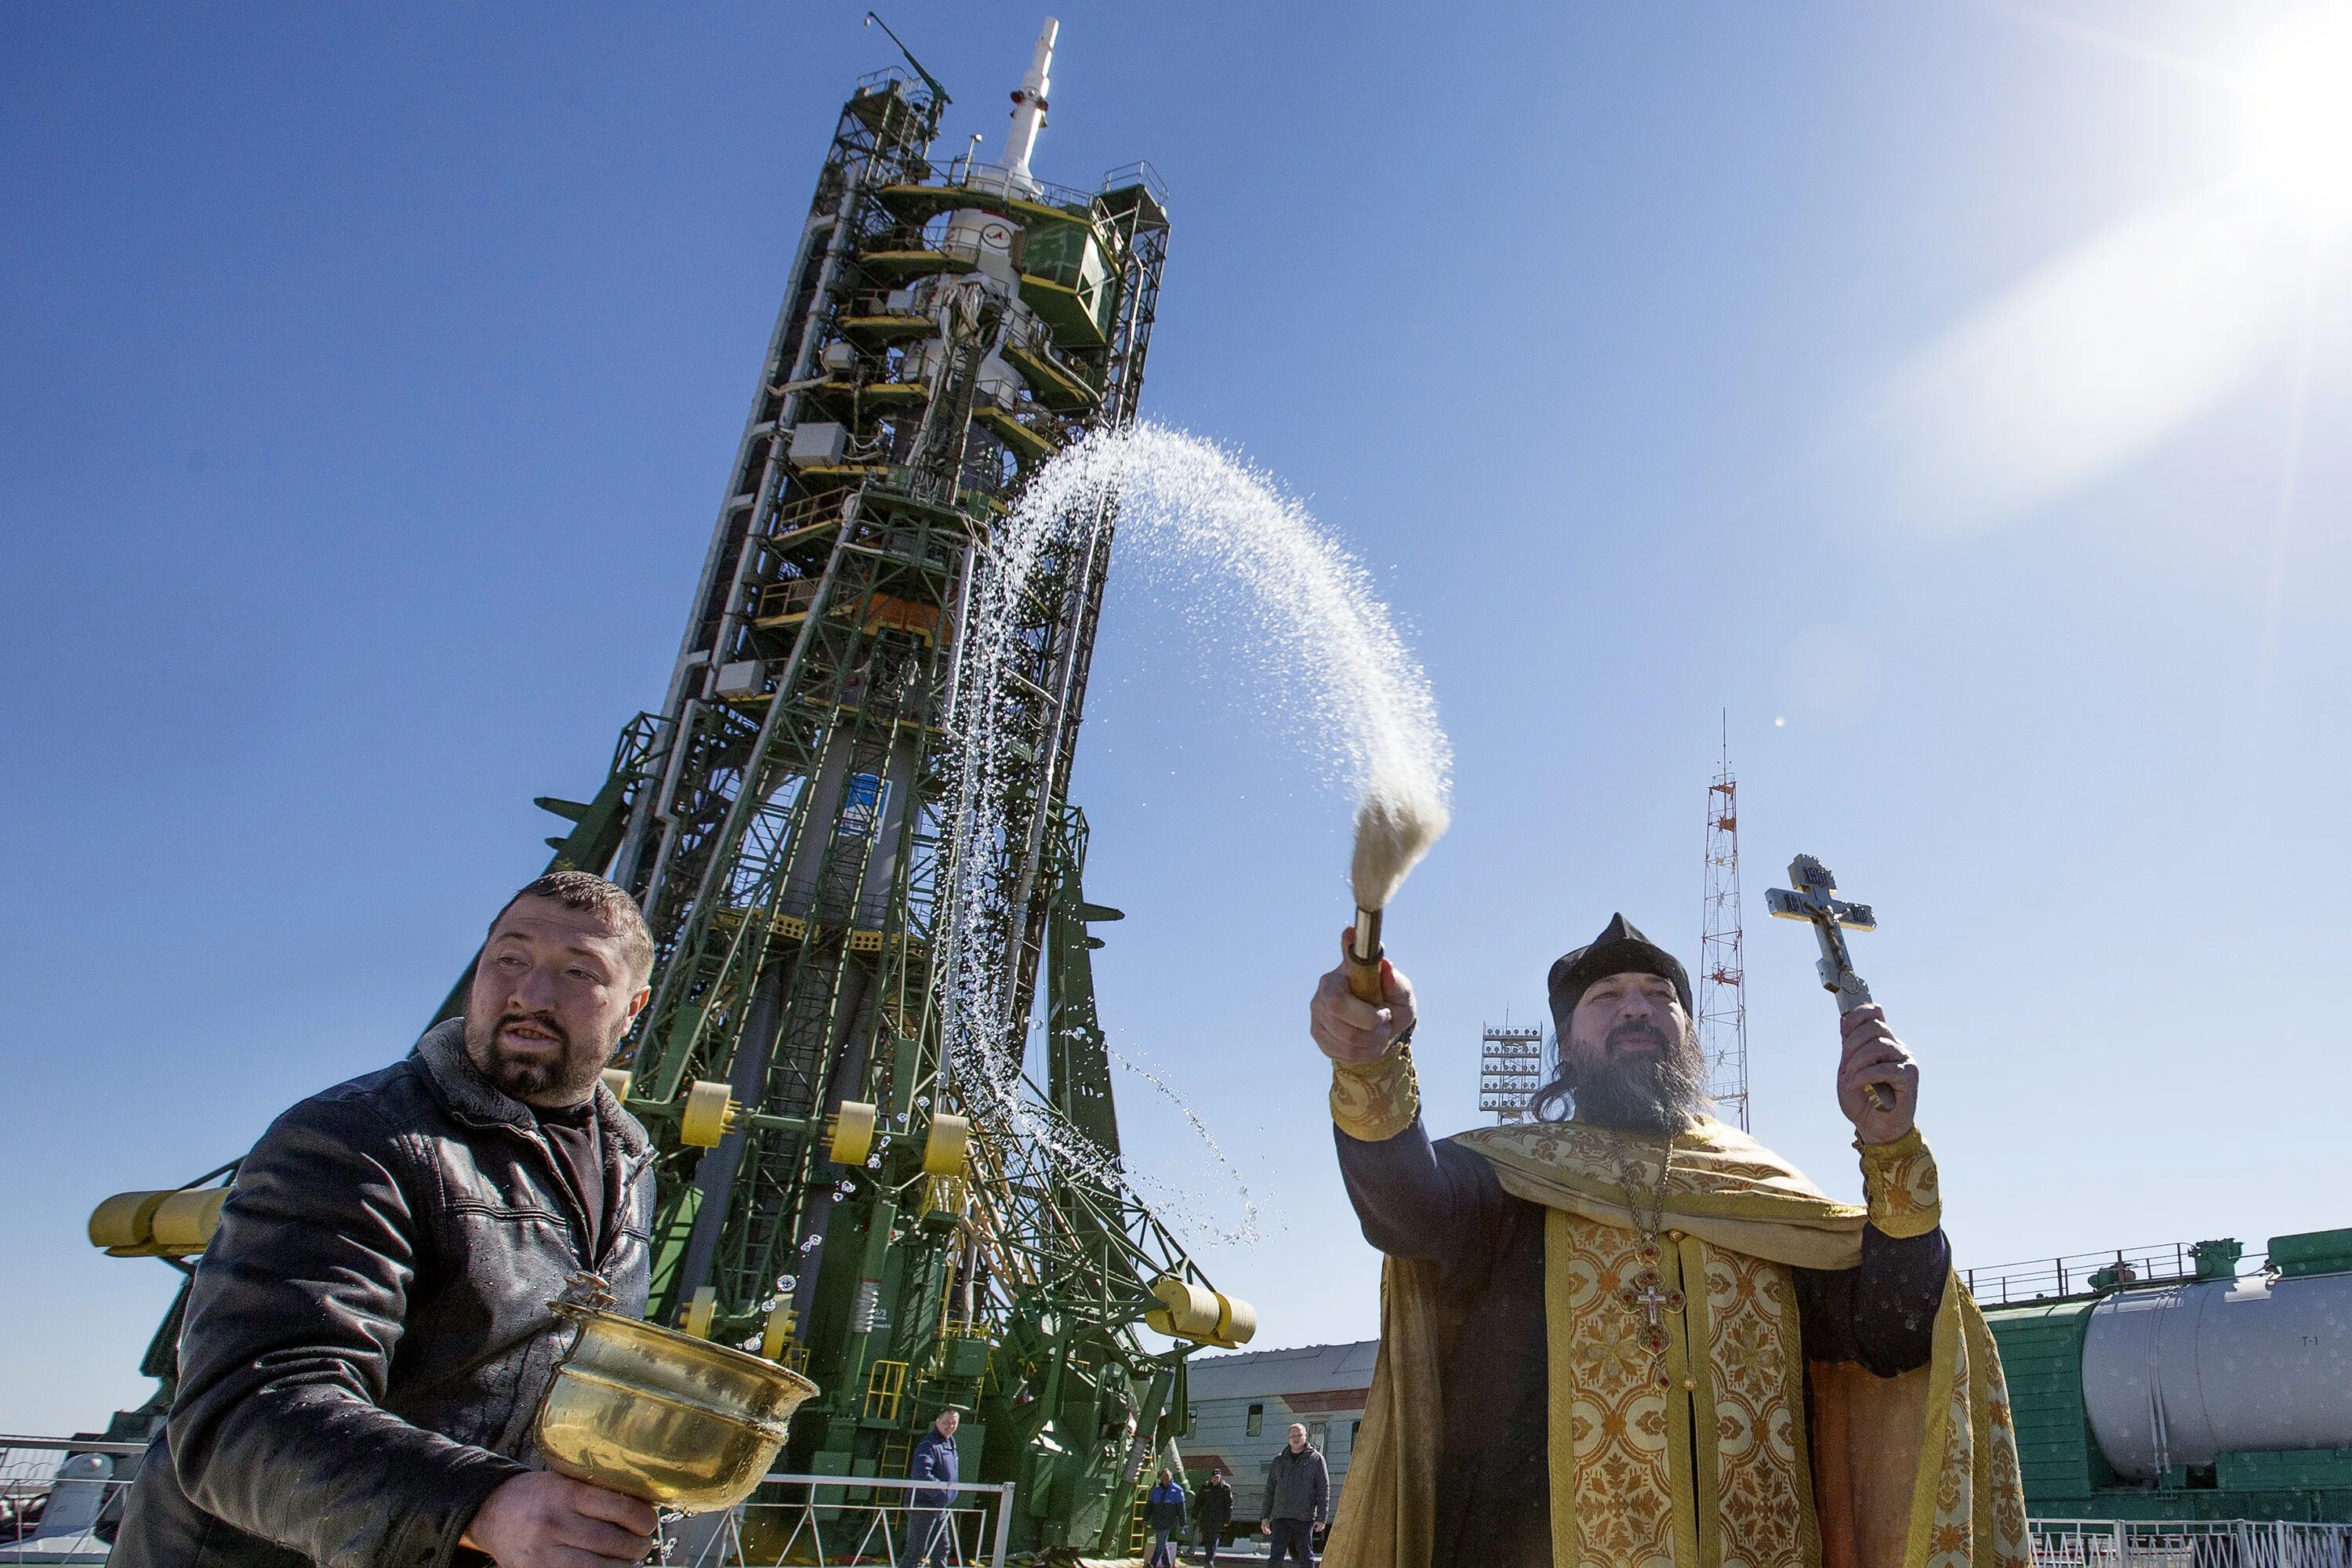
(1722, 972)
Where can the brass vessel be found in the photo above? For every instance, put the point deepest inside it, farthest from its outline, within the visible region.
(677, 1421)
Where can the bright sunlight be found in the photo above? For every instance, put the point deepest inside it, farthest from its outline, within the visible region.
(2298, 102)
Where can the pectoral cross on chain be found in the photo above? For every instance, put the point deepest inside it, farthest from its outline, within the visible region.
(1648, 1295)
(1650, 1299)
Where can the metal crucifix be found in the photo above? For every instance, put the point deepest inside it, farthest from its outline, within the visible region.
(1651, 1298)
(1648, 1295)
(1831, 918)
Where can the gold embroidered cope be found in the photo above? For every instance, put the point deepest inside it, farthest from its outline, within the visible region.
(1717, 1469)
(1726, 1432)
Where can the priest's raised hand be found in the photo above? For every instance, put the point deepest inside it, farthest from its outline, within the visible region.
(1351, 1029)
(1871, 1055)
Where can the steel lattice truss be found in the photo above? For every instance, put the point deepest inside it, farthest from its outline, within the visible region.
(791, 823)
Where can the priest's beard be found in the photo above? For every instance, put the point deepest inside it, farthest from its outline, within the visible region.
(1657, 1091)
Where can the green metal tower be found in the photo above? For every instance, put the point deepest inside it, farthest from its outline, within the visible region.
(913, 1226)
(830, 1191)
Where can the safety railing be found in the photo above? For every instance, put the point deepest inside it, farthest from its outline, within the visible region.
(831, 1521)
(969, 173)
(2189, 1544)
(936, 237)
(2082, 1273)
(53, 1493)
(1137, 173)
(1030, 337)
(56, 1496)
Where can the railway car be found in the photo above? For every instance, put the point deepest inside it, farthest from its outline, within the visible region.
(2197, 1386)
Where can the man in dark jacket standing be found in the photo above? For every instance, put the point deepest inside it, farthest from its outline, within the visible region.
(367, 1336)
(934, 1459)
(1214, 1509)
(1298, 1495)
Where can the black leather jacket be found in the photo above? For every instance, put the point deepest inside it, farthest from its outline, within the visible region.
(368, 1336)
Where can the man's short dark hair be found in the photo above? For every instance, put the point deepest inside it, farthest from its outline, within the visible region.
(586, 890)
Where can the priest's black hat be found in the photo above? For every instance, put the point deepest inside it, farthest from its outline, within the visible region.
(1620, 949)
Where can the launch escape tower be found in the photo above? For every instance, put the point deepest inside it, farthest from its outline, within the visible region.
(828, 1192)
(1722, 974)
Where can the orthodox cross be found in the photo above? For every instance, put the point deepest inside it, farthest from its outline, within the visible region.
(1645, 1295)
(1831, 918)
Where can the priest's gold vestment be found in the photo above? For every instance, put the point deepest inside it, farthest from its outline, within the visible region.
(1730, 1462)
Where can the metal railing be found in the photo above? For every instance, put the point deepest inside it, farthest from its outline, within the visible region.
(836, 1520)
(1140, 173)
(52, 1491)
(2189, 1543)
(916, 93)
(1031, 337)
(968, 172)
(2050, 1278)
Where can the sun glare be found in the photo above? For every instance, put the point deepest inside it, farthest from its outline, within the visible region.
(2298, 106)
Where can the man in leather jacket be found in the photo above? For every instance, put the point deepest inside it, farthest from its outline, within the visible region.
(367, 1337)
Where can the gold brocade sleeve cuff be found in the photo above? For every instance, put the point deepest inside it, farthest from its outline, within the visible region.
(1373, 1102)
(1898, 1183)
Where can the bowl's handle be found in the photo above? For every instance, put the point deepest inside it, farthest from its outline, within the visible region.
(585, 1293)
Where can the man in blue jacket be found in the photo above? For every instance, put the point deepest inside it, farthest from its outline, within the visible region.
(1164, 1510)
(934, 1459)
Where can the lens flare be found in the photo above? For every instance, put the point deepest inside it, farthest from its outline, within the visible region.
(2297, 92)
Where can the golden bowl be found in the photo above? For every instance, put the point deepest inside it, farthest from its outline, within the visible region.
(661, 1415)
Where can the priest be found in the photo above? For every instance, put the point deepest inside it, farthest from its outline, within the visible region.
(1623, 1334)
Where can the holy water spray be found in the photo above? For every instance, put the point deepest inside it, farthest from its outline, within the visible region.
(1302, 602)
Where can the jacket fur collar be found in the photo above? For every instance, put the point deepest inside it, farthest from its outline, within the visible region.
(462, 1086)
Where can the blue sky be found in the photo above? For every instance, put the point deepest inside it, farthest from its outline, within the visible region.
(1928, 386)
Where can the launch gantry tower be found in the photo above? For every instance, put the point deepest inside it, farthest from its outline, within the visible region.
(832, 1191)
(788, 826)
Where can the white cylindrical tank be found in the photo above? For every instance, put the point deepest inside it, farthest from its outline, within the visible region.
(2175, 1375)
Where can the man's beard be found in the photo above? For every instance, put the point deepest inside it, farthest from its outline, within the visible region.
(1660, 1091)
(566, 1076)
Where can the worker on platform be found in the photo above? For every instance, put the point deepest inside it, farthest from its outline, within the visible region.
(367, 1335)
(1625, 1335)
